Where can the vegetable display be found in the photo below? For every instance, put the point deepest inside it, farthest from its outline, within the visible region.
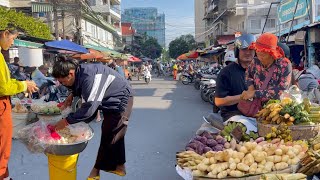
(281, 132)
(45, 108)
(311, 161)
(248, 158)
(226, 132)
(19, 108)
(289, 112)
(207, 142)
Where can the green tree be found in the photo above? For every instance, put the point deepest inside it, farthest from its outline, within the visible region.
(151, 48)
(192, 44)
(178, 47)
(165, 55)
(29, 25)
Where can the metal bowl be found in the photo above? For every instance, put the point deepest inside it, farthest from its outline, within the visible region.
(68, 149)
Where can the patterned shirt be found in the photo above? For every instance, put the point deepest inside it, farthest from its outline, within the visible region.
(280, 81)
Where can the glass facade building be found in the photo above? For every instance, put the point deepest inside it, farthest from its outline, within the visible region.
(146, 20)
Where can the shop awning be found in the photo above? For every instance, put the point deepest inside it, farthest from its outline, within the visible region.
(93, 54)
(225, 39)
(66, 45)
(41, 7)
(29, 44)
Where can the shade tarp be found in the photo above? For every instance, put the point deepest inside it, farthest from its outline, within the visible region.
(66, 45)
(93, 54)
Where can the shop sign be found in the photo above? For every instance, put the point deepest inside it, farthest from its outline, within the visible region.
(28, 44)
(287, 7)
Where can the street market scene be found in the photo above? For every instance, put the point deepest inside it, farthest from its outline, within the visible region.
(135, 89)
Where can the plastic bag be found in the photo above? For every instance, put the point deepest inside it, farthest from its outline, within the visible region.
(293, 93)
(41, 135)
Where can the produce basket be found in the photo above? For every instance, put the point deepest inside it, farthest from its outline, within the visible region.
(187, 174)
(68, 149)
(298, 132)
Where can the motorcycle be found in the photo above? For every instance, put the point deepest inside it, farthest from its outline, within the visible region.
(147, 76)
(187, 78)
(208, 88)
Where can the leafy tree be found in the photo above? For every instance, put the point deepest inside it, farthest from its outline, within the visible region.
(165, 55)
(181, 45)
(177, 47)
(29, 25)
(151, 48)
(190, 41)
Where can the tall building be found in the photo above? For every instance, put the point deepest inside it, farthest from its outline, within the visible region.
(225, 18)
(146, 20)
(199, 22)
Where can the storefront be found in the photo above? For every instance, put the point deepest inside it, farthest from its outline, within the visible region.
(298, 27)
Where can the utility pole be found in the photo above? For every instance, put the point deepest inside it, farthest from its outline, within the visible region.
(55, 17)
(63, 33)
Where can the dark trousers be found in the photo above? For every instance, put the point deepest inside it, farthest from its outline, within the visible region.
(112, 147)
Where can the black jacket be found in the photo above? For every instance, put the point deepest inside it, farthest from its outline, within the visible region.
(101, 88)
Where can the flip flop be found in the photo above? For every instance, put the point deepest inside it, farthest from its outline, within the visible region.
(94, 178)
(118, 173)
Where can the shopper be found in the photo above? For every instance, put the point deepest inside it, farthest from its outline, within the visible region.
(175, 71)
(270, 57)
(8, 87)
(231, 83)
(102, 89)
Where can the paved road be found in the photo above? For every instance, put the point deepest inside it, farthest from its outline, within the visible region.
(166, 115)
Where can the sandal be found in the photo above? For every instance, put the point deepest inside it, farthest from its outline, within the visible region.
(118, 173)
(94, 178)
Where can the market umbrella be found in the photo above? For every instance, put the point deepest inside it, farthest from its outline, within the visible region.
(93, 54)
(182, 57)
(134, 59)
(192, 55)
(66, 45)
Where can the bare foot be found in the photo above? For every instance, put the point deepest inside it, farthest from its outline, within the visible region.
(94, 173)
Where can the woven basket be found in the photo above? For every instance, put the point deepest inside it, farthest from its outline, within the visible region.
(298, 132)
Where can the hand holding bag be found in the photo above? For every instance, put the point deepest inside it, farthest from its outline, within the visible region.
(251, 108)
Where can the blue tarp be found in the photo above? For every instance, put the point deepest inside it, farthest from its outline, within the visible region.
(67, 45)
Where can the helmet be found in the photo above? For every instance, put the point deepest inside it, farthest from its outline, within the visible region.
(243, 42)
(285, 49)
(229, 57)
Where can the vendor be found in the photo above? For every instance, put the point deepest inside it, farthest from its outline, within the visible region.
(231, 83)
(102, 89)
(269, 55)
(8, 87)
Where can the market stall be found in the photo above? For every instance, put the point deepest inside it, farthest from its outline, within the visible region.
(286, 145)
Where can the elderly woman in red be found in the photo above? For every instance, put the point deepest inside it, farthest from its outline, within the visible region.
(272, 63)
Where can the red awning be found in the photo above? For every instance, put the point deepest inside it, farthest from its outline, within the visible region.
(224, 39)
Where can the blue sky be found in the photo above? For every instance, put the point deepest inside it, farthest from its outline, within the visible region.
(179, 14)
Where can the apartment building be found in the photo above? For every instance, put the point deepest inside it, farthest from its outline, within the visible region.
(225, 18)
(199, 22)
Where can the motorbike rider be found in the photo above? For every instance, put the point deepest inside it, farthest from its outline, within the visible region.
(229, 58)
(231, 83)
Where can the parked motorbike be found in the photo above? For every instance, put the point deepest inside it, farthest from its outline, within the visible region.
(207, 88)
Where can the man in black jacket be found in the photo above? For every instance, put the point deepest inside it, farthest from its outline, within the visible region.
(104, 89)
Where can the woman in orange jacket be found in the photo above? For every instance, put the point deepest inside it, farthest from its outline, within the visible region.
(8, 87)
